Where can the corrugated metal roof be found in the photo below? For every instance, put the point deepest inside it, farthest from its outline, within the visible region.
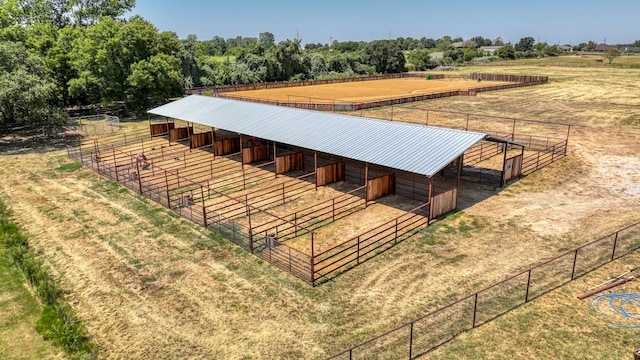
(415, 148)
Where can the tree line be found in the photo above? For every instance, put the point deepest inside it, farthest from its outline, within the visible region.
(60, 54)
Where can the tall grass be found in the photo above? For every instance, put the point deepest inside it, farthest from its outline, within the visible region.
(58, 321)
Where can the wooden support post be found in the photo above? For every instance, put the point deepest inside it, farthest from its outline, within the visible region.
(149, 118)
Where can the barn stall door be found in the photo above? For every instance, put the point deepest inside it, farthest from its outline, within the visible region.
(181, 133)
(381, 186)
(201, 139)
(330, 173)
(443, 203)
(226, 146)
(160, 129)
(289, 162)
(255, 153)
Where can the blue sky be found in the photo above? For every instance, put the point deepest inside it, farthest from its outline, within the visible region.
(551, 21)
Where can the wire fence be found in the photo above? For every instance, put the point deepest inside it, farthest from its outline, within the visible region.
(424, 334)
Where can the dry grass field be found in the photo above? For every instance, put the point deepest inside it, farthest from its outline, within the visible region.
(151, 285)
(360, 91)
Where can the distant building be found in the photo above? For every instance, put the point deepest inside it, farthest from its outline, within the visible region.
(629, 49)
(603, 47)
(489, 49)
(565, 48)
(463, 44)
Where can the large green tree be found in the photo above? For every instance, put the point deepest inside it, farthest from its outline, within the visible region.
(27, 94)
(386, 56)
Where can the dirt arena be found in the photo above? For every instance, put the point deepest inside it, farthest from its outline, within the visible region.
(362, 91)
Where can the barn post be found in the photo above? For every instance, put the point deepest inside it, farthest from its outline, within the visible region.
(213, 142)
(459, 170)
(149, 118)
(315, 166)
(189, 125)
(504, 165)
(429, 199)
(366, 184)
(275, 161)
(241, 150)
(427, 121)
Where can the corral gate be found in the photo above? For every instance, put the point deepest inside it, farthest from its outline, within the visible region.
(512, 167)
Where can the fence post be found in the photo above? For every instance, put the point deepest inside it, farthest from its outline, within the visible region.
(526, 296)
(166, 181)
(395, 236)
(333, 209)
(410, 340)
(615, 242)
(204, 210)
(313, 280)
(575, 258)
(475, 309)
(283, 198)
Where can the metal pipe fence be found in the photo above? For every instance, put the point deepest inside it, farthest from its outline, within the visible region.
(424, 334)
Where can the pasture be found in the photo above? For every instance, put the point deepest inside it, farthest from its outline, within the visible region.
(152, 285)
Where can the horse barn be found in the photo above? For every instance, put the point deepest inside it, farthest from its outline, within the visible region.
(419, 164)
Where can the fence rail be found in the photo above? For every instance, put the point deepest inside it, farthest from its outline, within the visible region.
(424, 334)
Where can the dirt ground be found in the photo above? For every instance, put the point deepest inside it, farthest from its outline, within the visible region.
(151, 285)
(360, 91)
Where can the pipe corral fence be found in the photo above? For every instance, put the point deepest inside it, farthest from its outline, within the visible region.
(426, 333)
(511, 82)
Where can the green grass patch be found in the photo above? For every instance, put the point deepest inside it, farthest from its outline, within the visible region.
(57, 322)
(70, 167)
